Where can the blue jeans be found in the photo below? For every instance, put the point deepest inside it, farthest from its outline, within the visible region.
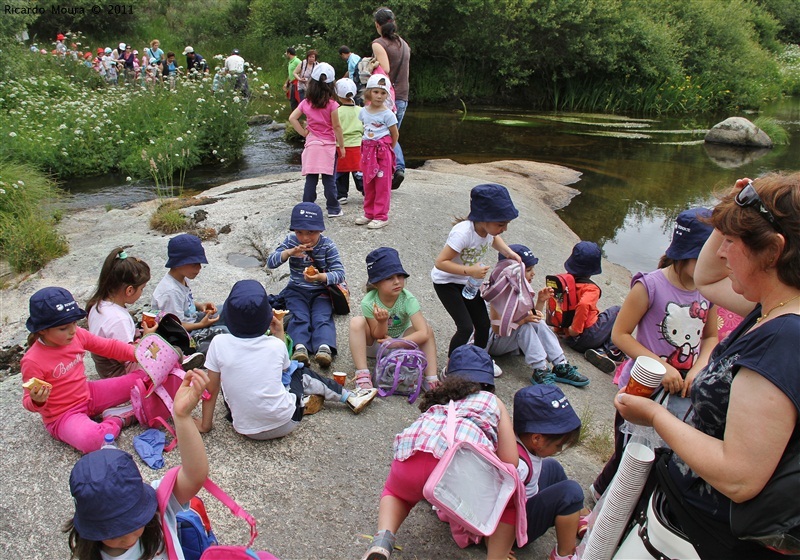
(557, 496)
(597, 336)
(328, 187)
(311, 320)
(398, 151)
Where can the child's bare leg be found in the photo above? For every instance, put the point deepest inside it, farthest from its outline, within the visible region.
(499, 543)
(566, 530)
(391, 513)
(359, 340)
(429, 347)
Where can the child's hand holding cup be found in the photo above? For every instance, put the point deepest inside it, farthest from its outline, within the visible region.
(646, 376)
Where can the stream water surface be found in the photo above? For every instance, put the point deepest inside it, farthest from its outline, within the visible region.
(638, 173)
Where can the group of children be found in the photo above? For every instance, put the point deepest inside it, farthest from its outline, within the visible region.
(263, 370)
(343, 138)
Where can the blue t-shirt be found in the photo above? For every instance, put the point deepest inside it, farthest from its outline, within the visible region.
(770, 351)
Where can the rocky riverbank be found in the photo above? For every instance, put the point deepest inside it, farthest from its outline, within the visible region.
(315, 493)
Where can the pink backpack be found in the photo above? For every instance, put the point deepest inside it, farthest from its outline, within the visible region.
(509, 293)
(152, 399)
(214, 552)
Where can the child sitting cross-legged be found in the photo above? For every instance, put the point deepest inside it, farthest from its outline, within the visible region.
(545, 424)
(537, 342)
(252, 368)
(390, 311)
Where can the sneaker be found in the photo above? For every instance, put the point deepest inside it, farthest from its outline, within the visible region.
(397, 179)
(300, 354)
(124, 412)
(497, 371)
(363, 379)
(323, 355)
(377, 224)
(196, 360)
(381, 547)
(360, 398)
(362, 221)
(336, 214)
(312, 404)
(343, 200)
(555, 556)
(565, 373)
(543, 377)
(600, 360)
(583, 526)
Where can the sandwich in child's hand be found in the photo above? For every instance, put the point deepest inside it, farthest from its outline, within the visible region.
(280, 313)
(311, 271)
(35, 383)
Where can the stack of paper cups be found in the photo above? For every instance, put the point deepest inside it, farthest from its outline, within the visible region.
(646, 376)
(619, 501)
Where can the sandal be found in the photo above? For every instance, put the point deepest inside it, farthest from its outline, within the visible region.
(363, 379)
(382, 546)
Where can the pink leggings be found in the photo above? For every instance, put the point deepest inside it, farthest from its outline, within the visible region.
(76, 426)
(407, 478)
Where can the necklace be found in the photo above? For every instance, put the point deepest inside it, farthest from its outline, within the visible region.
(781, 304)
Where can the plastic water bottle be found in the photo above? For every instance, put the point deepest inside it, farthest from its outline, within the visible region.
(108, 442)
(472, 287)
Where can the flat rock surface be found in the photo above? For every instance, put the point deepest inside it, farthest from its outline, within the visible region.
(315, 492)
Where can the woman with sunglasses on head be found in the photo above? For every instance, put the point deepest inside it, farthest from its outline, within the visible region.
(746, 402)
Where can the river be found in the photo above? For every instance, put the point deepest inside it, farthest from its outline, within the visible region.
(638, 173)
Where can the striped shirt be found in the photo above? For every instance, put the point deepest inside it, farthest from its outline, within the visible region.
(325, 259)
(477, 418)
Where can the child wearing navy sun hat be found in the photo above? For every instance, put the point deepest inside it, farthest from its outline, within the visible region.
(388, 310)
(481, 418)
(545, 424)
(464, 256)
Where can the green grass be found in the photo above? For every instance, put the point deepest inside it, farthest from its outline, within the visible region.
(778, 134)
(597, 440)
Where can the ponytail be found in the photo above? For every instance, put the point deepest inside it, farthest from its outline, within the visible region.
(119, 271)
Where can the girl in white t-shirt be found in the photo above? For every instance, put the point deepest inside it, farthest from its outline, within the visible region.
(491, 209)
(121, 282)
(116, 512)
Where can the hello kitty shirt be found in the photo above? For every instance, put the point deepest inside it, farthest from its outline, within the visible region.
(673, 325)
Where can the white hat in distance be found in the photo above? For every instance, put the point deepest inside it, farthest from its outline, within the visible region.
(323, 68)
(188, 50)
(346, 88)
(379, 81)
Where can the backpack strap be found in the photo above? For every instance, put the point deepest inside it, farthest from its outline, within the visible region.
(523, 455)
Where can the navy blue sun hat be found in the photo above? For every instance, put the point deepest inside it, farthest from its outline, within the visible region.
(690, 234)
(585, 259)
(185, 249)
(527, 256)
(382, 263)
(543, 409)
(111, 500)
(52, 307)
(247, 312)
(491, 202)
(307, 216)
(473, 363)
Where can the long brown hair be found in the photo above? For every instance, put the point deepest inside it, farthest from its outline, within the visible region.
(384, 17)
(119, 271)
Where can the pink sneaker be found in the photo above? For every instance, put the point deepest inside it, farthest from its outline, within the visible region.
(555, 556)
(363, 379)
(583, 526)
(124, 412)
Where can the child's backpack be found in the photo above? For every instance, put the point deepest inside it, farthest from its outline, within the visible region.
(509, 293)
(152, 399)
(212, 550)
(561, 307)
(364, 69)
(171, 329)
(194, 530)
(400, 368)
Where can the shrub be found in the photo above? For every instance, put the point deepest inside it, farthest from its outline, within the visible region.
(774, 130)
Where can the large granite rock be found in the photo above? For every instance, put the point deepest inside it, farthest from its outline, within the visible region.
(738, 131)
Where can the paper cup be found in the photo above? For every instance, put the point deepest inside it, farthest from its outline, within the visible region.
(340, 377)
(646, 376)
(148, 319)
(635, 388)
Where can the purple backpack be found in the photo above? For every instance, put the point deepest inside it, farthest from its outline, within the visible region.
(400, 369)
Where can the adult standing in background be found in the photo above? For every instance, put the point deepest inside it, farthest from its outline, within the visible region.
(195, 63)
(302, 73)
(154, 52)
(234, 67)
(290, 86)
(352, 60)
(393, 55)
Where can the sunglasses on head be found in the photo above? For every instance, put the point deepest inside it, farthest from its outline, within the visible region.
(748, 198)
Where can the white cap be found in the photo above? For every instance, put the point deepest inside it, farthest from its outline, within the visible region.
(323, 68)
(188, 50)
(375, 82)
(346, 88)
(122, 46)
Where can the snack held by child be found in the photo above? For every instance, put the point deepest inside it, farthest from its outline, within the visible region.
(482, 419)
(116, 512)
(67, 400)
(491, 210)
(673, 322)
(323, 134)
(314, 264)
(122, 279)
(377, 152)
(389, 311)
(250, 367)
(545, 424)
(533, 338)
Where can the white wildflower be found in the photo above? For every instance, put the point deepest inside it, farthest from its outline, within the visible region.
(12, 134)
